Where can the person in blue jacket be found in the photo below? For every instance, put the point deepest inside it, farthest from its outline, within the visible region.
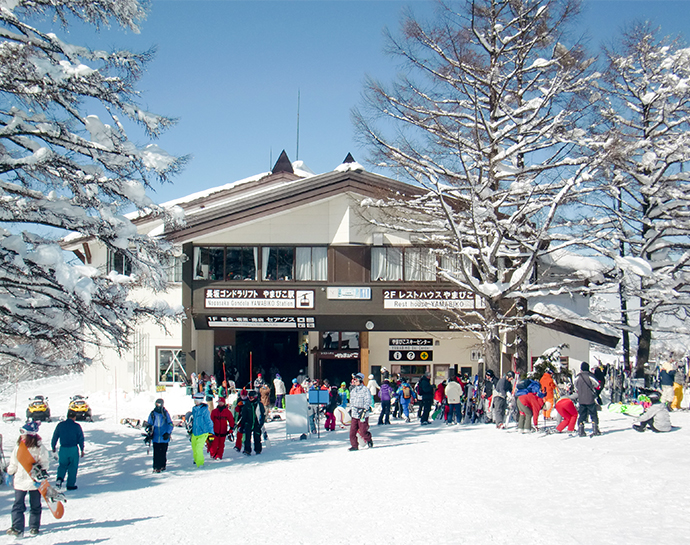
(71, 438)
(406, 396)
(160, 427)
(202, 427)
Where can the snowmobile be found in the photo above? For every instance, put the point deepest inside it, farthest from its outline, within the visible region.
(38, 409)
(79, 406)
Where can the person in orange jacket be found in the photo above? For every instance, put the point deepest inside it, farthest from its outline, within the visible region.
(296, 388)
(548, 386)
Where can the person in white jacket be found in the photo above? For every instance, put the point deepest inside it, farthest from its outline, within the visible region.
(23, 482)
(656, 417)
(279, 386)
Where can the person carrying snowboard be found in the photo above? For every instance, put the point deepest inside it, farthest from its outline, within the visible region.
(160, 427)
(23, 482)
(71, 438)
(251, 421)
(202, 427)
(223, 423)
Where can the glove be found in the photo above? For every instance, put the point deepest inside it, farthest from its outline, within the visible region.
(166, 436)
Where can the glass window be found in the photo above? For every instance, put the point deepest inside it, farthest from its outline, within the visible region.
(174, 270)
(118, 262)
(171, 366)
(311, 263)
(420, 264)
(240, 263)
(277, 263)
(208, 263)
(340, 340)
(386, 263)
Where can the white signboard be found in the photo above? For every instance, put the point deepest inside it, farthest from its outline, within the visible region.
(263, 322)
(258, 298)
(296, 414)
(425, 299)
(349, 293)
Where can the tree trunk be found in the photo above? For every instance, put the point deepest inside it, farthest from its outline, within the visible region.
(492, 344)
(521, 339)
(644, 342)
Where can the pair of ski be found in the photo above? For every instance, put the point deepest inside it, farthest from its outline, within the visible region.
(52, 496)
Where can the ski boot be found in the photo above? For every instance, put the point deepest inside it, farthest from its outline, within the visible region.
(595, 429)
(581, 430)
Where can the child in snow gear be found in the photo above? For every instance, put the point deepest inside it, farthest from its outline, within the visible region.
(251, 421)
(223, 423)
(656, 417)
(586, 386)
(344, 394)
(360, 400)
(160, 427)
(202, 427)
(23, 482)
(71, 438)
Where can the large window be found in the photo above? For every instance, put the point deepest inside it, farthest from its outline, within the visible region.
(208, 263)
(240, 263)
(311, 263)
(171, 366)
(339, 340)
(277, 263)
(420, 264)
(118, 262)
(386, 263)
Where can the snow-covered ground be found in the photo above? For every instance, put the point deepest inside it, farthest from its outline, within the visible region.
(436, 484)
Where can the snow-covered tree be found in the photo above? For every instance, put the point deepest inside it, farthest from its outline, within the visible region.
(68, 166)
(648, 143)
(489, 117)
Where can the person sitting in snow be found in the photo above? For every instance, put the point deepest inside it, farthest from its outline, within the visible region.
(656, 417)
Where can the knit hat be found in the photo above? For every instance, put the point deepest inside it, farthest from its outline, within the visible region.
(277, 375)
(159, 401)
(198, 397)
(243, 393)
(30, 428)
(584, 366)
(371, 376)
(221, 401)
(294, 381)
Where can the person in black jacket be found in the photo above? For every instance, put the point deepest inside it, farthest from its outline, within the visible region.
(252, 420)
(426, 392)
(503, 389)
(333, 402)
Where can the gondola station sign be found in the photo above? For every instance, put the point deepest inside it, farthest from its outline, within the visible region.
(258, 298)
(432, 298)
(410, 349)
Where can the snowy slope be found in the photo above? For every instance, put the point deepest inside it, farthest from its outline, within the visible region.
(460, 484)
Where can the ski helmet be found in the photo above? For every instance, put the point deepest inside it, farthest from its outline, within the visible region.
(654, 397)
(30, 428)
(490, 373)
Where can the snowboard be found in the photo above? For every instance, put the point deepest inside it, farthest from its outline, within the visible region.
(51, 495)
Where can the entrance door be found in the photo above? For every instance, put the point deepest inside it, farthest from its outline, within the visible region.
(337, 371)
(271, 351)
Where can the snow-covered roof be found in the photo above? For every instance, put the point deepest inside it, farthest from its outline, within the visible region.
(581, 325)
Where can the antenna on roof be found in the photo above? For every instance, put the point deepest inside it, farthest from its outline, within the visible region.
(297, 154)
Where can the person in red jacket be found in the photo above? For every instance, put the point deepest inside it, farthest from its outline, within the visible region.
(529, 406)
(296, 387)
(223, 423)
(566, 408)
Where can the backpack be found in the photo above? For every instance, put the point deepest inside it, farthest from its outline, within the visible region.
(407, 392)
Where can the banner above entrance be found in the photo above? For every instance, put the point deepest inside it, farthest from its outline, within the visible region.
(258, 298)
(263, 322)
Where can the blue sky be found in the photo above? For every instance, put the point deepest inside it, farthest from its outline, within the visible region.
(230, 71)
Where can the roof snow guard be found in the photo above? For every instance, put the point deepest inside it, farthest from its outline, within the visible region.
(283, 164)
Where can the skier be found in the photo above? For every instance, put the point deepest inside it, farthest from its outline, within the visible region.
(202, 427)
(223, 423)
(656, 416)
(566, 408)
(23, 482)
(71, 438)
(405, 398)
(252, 419)
(279, 387)
(426, 392)
(502, 391)
(548, 386)
(453, 393)
(360, 400)
(586, 387)
(160, 427)
(385, 395)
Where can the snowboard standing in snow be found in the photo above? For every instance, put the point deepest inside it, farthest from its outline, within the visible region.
(51, 495)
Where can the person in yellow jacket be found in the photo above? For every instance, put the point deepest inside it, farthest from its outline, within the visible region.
(548, 386)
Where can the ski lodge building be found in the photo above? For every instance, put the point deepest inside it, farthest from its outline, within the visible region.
(280, 273)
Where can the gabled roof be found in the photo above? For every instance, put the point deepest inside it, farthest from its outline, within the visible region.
(278, 191)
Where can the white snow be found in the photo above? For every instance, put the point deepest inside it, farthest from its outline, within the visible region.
(437, 484)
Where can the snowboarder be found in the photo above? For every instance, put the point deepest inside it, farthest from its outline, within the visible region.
(586, 387)
(160, 428)
(223, 423)
(360, 401)
(23, 482)
(252, 419)
(656, 416)
(202, 427)
(279, 387)
(71, 438)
